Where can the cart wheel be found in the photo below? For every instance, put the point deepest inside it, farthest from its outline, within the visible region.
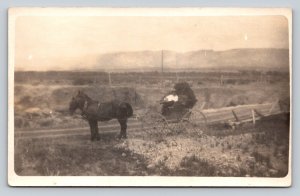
(197, 120)
(153, 120)
(183, 125)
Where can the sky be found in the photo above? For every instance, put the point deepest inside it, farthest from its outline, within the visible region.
(48, 42)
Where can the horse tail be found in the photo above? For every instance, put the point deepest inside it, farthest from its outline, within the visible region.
(129, 110)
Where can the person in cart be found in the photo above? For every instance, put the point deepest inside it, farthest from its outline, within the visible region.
(179, 100)
(168, 102)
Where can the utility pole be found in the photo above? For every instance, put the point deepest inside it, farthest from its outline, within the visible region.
(221, 80)
(162, 68)
(177, 79)
(109, 79)
(162, 61)
(95, 79)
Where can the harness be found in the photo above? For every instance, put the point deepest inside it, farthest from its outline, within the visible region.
(85, 107)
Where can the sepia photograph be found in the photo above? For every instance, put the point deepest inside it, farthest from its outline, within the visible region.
(176, 97)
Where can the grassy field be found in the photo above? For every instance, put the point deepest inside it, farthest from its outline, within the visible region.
(195, 150)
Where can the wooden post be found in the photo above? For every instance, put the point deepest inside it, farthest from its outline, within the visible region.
(253, 116)
(135, 95)
(273, 106)
(203, 105)
(221, 80)
(235, 116)
(109, 79)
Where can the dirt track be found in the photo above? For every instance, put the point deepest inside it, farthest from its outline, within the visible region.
(70, 131)
(211, 116)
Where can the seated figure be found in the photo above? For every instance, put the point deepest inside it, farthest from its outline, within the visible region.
(179, 100)
(167, 102)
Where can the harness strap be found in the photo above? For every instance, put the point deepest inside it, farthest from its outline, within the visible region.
(85, 105)
(83, 114)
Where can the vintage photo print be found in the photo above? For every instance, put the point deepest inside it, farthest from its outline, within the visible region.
(177, 97)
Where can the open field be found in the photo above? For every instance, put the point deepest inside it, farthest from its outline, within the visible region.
(248, 151)
(41, 105)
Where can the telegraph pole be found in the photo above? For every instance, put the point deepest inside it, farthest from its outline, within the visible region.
(162, 68)
(162, 61)
(109, 79)
(177, 79)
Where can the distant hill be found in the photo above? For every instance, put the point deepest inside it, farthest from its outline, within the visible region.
(270, 59)
(200, 60)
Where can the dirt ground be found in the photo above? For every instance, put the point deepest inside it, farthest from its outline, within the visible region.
(248, 151)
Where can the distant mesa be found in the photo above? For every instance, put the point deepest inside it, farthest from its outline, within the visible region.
(200, 60)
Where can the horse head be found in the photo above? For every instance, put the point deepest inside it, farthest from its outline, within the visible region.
(77, 102)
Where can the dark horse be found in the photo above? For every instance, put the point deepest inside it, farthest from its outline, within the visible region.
(95, 111)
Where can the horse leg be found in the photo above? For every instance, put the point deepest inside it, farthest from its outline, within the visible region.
(123, 124)
(92, 127)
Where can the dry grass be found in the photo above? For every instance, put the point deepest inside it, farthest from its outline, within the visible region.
(261, 152)
(192, 151)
